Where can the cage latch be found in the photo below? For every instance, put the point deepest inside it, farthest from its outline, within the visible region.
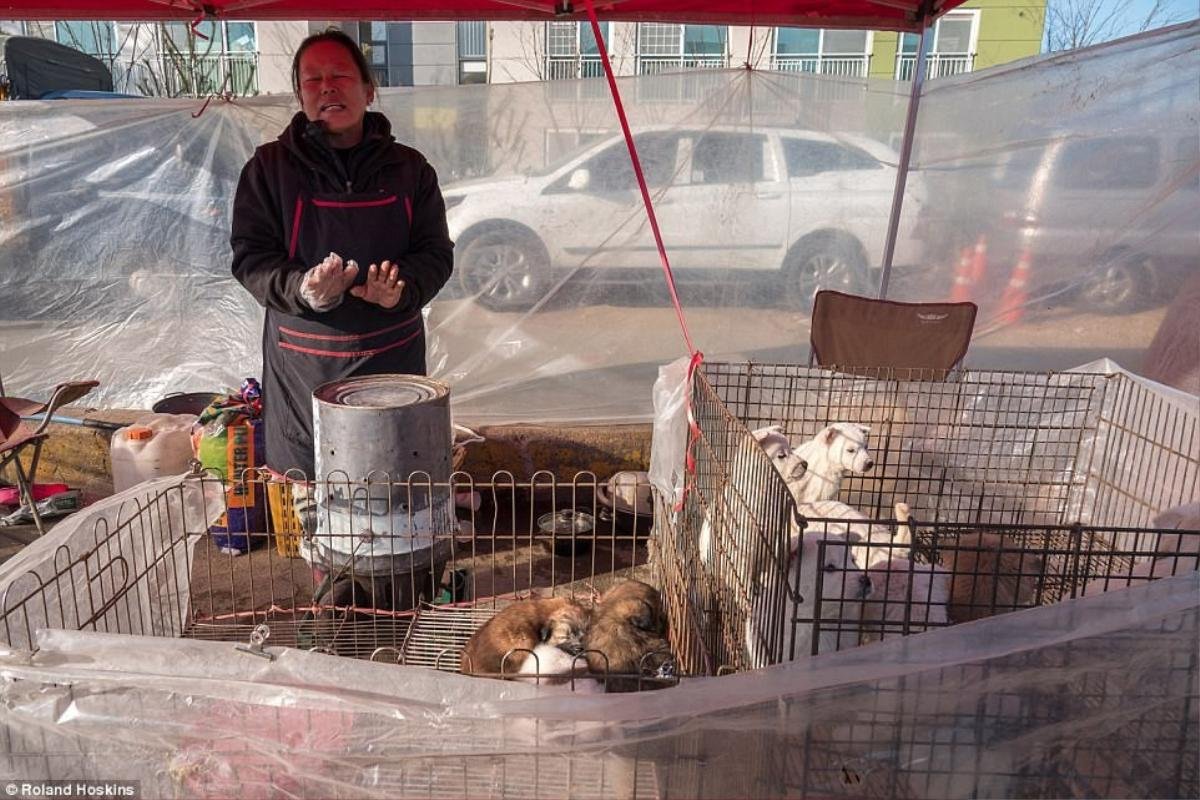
(258, 637)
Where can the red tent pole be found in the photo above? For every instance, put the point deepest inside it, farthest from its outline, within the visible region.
(910, 126)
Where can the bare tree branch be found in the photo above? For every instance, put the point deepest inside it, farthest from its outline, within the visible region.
(1071, 24)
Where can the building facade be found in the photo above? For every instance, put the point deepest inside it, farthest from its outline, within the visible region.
(175, 59)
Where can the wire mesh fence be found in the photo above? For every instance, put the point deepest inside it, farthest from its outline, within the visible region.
(1018, 490)
(398, 571)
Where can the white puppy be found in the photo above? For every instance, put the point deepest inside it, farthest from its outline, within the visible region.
(777, 447)
(843, 587)
(911, 597)
(847, 520)
(836, 451)
(552, 666)
(1174, 553)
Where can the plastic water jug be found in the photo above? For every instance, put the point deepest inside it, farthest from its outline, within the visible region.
(155, 446)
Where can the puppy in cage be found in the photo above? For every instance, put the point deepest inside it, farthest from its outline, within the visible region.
(551, 665)
(778, 448)
(990, 574)
(872, 542)
(502, 644)
(906, 596)
(1169, 553)
(843, 587)
(836, 451)
(628, 637)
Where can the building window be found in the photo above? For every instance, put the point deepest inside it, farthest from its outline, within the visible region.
(572, 50)
(670, 48)
(472, 52)
(950, 47)
(97, 39)
(823, 52)
(373, 39)
(211, 58)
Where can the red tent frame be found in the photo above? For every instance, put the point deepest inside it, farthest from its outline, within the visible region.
(898, 15)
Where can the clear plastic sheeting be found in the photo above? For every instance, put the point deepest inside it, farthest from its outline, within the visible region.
(65, 580)
(1065, 194)
(1075, 175)
(1140, 456)
(1088, 698)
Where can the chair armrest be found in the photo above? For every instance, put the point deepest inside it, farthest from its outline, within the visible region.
(64, 394)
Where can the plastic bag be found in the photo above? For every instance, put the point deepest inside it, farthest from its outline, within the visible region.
(668, 446)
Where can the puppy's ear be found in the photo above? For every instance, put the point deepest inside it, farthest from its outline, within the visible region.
(762, 433)
(647, 618)
(831, 433)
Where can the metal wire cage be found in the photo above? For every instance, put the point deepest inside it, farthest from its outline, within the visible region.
(409, 585)
(1025, 489)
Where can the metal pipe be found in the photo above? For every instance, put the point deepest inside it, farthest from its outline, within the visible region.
(910, 126)
(86, 423)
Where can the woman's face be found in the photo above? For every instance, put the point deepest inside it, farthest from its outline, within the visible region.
(333, 92)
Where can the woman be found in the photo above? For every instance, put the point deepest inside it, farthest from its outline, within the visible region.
(340, 233)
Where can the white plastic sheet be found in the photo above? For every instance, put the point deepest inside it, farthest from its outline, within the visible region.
(668, 448)
(114, 257)
(82, 574)
(1086, 698)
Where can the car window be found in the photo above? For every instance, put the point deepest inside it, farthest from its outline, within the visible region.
(611, 170)
(1016, 169)
(1110, 163)
(806, 157)
(728, 158)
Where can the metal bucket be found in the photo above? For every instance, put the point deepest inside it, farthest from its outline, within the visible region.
(383, 443)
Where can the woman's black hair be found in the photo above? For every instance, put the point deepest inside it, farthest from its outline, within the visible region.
(332, 35)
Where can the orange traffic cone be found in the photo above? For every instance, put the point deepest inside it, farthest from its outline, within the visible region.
(1016, 294)
(972, 264)
(979, 261)
(961, 290)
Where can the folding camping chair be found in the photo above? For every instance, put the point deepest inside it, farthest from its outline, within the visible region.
(17, 438)
(858, 335)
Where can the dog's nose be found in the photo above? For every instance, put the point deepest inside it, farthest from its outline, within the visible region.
(867, 466)
(864, 585)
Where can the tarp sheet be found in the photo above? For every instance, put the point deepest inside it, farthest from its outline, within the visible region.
(1062, 190)
(1087, 698)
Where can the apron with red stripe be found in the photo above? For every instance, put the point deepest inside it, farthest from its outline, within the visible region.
(356, 338)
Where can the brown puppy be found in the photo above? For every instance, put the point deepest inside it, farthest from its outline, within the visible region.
(986, 580)
(628, 626)
(557, 621)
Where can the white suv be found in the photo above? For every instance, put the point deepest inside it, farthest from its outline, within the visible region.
(805, 210)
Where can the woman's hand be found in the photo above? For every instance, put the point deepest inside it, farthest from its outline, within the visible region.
(325, 284)
(383, 286)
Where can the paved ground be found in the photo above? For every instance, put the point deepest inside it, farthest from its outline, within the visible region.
(14, 538)
(570, 359)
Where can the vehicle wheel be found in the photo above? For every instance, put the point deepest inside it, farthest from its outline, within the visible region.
(822, 263)
(1122, 285)
(504, 269)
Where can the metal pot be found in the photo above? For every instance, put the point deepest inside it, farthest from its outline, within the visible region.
(192, 403)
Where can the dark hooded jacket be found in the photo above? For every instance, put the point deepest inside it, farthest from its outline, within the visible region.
(297, 201)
